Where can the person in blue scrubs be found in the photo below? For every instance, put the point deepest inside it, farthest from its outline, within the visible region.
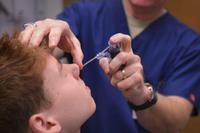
(165, 56)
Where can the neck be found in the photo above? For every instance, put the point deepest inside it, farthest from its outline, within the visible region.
(142, 13)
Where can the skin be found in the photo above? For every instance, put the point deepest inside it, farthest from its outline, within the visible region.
(58, 33)
(169, 114)
(72, 103)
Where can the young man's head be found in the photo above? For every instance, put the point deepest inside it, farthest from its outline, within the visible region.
(38, 94)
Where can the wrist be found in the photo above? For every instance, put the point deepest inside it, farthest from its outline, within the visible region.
(142, 97)
(149, 99)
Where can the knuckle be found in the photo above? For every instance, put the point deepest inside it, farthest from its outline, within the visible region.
(139, 68)
(118, 75)
(76, 41)
(55, 33)
(111, 67)
(137, 78)
(48, 20)
(119, 34)
(102, 66)
(119, 86)
(64, 24)
(128, 38)
(101, 62)
(81, 55)
(115, 77)
(122, 55)
(39, 22)
(137, 58)
(112, 82)
(23, 41)
(21, 34)
(129, 84)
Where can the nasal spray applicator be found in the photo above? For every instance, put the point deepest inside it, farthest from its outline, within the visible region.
(110, 52)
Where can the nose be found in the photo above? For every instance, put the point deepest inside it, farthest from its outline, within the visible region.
(75, 70)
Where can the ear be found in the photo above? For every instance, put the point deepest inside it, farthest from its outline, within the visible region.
(39, 123)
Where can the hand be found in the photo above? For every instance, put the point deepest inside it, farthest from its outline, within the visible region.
(128, 79)
(58, 33)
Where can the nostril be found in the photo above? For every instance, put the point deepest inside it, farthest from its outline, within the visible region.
(76, 71)
(72, 69)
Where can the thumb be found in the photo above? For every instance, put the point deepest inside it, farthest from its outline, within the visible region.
(124, 40)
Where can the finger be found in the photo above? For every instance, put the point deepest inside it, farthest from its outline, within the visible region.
(54, 36)
(135, 79)
(123, 74)
(127, 72)
(39, 34)
(67, 38)
(59, 29)
(124, 59)
(117, 62)
(133, 65)
(76, 52)
(117, 77)
(25, 35)
(122, 39)
(104, 63)
(63, 37)
(131, 69)
(72, 46)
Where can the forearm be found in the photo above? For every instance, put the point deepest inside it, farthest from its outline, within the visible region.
(168, 115)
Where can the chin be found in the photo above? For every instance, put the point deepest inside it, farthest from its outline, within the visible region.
(91, 109)
(90, 102)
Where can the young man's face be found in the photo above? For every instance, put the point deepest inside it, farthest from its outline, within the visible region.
(72, 103)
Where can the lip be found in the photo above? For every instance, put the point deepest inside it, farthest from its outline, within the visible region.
(86, 87)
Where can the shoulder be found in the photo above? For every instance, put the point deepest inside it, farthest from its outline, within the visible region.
(176, 26)
(176, 31)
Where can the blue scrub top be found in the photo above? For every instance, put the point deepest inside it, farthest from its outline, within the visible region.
(169, 51)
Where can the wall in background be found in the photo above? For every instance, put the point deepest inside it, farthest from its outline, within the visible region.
(66, 2)
(187, 11)
(14, 13)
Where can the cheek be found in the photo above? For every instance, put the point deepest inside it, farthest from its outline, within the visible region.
(75, 103)
(81, 98)
(73, 94)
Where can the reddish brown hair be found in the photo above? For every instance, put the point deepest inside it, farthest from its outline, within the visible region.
(21, 84)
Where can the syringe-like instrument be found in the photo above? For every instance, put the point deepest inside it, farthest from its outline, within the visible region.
(110, 52)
